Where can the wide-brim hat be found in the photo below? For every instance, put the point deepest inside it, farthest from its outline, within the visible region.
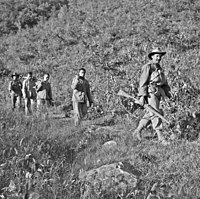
(156, 51)
(15, 74)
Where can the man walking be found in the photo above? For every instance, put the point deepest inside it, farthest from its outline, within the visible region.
(153, 87)
(29, 93)
(15, 91)
(81, 93)
(44, 94)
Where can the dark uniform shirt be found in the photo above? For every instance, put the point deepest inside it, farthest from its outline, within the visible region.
(15, 88)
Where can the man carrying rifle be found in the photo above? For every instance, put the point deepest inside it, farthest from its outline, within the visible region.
(153, 88)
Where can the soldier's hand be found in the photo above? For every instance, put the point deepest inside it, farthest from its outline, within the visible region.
(91, 104)
(51, 102)
(76, 77)
(142, 100)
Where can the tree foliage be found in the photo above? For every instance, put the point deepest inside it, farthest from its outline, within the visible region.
(19, 14)
(109, 38)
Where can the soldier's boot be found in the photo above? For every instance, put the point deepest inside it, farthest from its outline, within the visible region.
(161, 138)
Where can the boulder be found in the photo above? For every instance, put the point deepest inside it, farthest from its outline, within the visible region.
(109, 145)
(109, 180)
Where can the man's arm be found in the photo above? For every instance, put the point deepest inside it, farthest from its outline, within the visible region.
(144, 81)
(143, 85)
(20, 84)
(10, 87)
(38, 86)
(50, 92)
(74, 82)
(167, 89)
(24, 89)
(89, 96)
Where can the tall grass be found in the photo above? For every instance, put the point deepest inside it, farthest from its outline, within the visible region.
(43, 157)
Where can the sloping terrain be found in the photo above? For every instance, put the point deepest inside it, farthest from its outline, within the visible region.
(50, 158)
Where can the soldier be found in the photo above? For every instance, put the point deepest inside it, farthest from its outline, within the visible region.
(15, 91)
(81, 93)
(44, 94)
(152, 88)
(29, 93)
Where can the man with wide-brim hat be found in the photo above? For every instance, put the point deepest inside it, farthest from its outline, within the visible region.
(153, 87)
(15, 90)
(15, 75)
(156, 51)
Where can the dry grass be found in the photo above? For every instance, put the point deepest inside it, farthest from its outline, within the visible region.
(44, 157)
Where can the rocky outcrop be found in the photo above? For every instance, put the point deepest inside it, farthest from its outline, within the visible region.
(110, 180)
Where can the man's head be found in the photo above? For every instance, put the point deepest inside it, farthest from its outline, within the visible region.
(156, 58)
(82, 72)
(156, 55)
(15, 76)
(30, 75)
(46, 77)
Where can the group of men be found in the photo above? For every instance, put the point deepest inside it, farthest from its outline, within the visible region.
(153, 87)
(39, 94)
(35, 93)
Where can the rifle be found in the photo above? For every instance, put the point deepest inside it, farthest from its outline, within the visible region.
(146, 106)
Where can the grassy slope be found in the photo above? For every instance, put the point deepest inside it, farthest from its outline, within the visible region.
(61, 151)
(132, 28)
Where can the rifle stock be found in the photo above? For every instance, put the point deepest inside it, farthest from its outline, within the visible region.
(146, 106)
(124, 94)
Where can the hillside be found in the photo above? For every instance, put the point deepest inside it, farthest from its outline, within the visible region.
(44, 158)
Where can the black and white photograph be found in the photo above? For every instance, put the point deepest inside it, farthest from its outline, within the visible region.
(99, 99)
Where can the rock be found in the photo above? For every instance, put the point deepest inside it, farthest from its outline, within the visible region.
(108, 179)
(108, 120)
(109, 145)
(34, 195)
(160, 190)
(92, 128)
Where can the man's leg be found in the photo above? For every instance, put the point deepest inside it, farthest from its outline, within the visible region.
(76, 113)
(42, 107)
(144, 122)
(84, 109)
(46, 107)
(156, 121)
(33, 105)
(13, 101)
(27, 106)
(39, 106)
(18, 102)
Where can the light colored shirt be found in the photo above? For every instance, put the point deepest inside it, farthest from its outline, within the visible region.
(83, 86)
(28, 88)
(44, 90)
(152, 74)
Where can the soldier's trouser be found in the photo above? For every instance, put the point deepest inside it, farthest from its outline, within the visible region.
(15, 102)
(153, 101)
(43, 105)
(80, 110)
(29, 105)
